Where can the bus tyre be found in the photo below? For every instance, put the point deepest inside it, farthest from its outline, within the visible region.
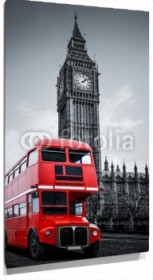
(92, 250)
(35, 247)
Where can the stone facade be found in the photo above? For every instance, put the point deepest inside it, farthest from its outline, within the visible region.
(123, 205)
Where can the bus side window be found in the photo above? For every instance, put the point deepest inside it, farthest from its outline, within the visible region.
(9, 212)
(23, 165)
(22, 209)
(16, 210)
(10, 177)
(6, 179)
(16, 171)
(33, 157)
(35, 202)
(5, 213)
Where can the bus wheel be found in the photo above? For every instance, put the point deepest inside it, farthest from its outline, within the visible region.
(35, 247)
(92, 250)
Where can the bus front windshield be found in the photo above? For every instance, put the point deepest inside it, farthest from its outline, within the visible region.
(76, 208)
(54, 202)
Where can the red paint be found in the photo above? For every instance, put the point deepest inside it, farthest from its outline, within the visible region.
(42, 175)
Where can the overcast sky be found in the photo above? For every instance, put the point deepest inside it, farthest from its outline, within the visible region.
(36, 37)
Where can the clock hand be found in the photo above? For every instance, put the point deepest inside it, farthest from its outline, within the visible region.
(84, 80)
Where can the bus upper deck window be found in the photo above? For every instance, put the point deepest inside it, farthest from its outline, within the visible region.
(6, 179)
(53, 154)
(23, 165)
(33, 157)
(82, 157)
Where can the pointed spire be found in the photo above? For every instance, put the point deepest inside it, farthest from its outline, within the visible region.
(117, 168)
(112, 167)
(76, 47)
(76, 31)
(146, 169)
(124, 172)
(112, 172)
(124, 168)
(135, 168)
(75, 17)
(106, 167)
(146, 173)
(136, 172)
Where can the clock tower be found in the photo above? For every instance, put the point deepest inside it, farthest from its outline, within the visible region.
(78, 96)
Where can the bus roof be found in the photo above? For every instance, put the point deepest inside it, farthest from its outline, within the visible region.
(60, 142)
(67, 143)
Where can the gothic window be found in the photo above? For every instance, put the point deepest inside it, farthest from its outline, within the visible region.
(107, 188)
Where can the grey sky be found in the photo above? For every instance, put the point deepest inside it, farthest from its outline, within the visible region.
(36, 36)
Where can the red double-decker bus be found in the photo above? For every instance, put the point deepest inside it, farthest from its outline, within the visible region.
(45, 198)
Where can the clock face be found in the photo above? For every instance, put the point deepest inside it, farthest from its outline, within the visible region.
(82, 81)
(61, 86)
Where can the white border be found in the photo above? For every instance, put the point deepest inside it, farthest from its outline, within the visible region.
(138, 270)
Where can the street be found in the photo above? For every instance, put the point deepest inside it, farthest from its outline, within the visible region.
(110, 245)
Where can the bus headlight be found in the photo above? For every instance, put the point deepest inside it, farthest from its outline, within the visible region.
(48, 233)
(95, 233)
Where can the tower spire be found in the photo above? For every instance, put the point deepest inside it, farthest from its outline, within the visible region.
(135, 168)
(124, 167)
(146, 173)
(112, 167)
(106, 167)
(117, 168)
(75, 17)
(76, 34)
(124, 171)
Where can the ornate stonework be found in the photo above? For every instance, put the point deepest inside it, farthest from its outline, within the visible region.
(124, 203)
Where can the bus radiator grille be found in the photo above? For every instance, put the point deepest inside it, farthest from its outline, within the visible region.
(73, 236)
(81, 236)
